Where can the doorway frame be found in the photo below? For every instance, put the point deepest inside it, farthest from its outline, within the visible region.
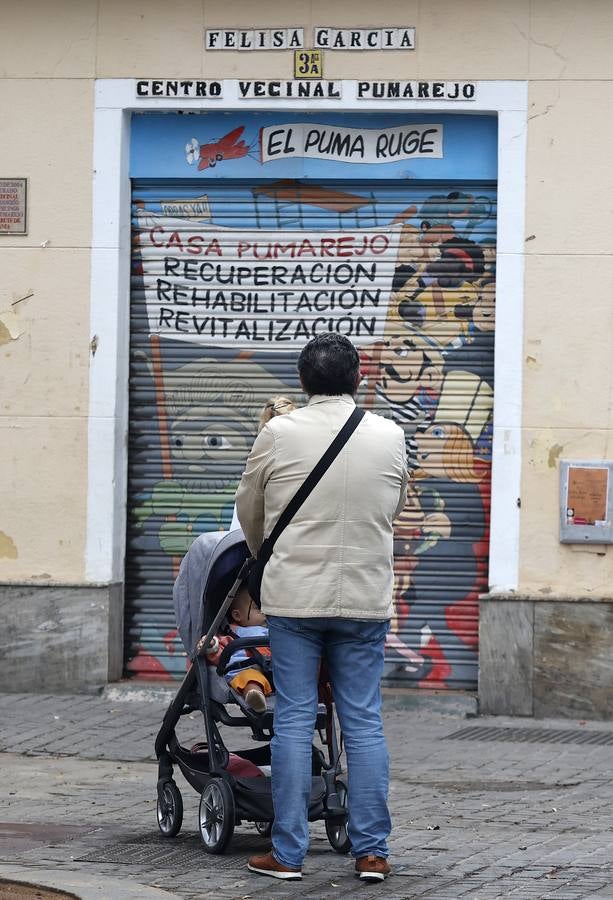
(115, 101)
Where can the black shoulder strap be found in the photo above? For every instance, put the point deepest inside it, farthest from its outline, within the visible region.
(311, 480)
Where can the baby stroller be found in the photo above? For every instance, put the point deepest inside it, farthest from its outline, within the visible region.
(233, 787)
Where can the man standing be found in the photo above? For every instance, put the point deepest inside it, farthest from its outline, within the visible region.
(327, 592)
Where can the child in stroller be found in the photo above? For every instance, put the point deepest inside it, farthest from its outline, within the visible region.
(233, 787)
(243, 675)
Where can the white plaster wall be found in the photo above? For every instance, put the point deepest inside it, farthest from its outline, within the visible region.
(50, 53)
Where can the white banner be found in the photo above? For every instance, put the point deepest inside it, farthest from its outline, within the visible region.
(357, 145)
(265, 290)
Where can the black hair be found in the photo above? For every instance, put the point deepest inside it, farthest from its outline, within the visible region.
(401, 275)
(460, 260)
(329, 364)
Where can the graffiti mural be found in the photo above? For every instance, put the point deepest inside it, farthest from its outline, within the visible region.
(231, 277)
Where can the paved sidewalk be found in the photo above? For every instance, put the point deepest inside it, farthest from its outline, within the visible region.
(479, 819)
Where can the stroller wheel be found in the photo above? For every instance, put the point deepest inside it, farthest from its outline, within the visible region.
(263, 828)
(216, 816)
(170, 809)
(337, 832)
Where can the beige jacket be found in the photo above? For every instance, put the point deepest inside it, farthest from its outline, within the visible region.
(335, 558)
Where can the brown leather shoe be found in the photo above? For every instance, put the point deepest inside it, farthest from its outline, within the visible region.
(268, 865)
(372, 868)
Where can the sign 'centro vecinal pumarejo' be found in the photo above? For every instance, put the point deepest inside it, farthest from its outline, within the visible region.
(194, 89)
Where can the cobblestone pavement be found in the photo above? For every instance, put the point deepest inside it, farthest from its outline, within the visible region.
(480, 819)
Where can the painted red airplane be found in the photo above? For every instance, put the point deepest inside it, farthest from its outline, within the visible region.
(227, 147)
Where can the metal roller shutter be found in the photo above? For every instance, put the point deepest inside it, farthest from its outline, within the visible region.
(226, 288)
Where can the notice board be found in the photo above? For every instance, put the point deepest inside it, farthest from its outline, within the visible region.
(586, 515)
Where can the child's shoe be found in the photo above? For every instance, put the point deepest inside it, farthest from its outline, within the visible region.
(255, 699)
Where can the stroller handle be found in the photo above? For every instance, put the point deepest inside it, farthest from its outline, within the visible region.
(205, 642)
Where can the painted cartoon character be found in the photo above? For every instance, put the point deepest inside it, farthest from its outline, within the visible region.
(463, 212)
(410, 376)
(446, 576)
(432, 294)
(439, 223)
(445, 450)
(416, 530)
(488, 245)
(212, 410)
(208, 155)
(442, 536)
(475, 352)
(421, 302)
(418, 244)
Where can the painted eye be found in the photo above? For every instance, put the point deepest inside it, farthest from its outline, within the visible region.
(402, 352)
(178, 442)
(438, 432)
(216, 442)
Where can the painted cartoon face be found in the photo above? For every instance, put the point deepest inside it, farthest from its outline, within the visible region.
(431, 238)
(445, 450)
(431, 449)
(489, 256)
(215, 441)
(484, 313)
(422, 245)
(405, 304)
(213, 417)
(464, 295)
(440, 303)
(448, 311)
(409, 364)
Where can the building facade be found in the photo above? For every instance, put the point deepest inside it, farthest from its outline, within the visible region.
(187, 195)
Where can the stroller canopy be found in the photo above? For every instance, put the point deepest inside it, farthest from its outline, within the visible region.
(207, 573)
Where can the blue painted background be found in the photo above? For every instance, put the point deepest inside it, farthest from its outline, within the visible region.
(158, 147)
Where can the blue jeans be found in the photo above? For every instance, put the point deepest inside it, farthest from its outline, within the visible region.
(353, 650)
